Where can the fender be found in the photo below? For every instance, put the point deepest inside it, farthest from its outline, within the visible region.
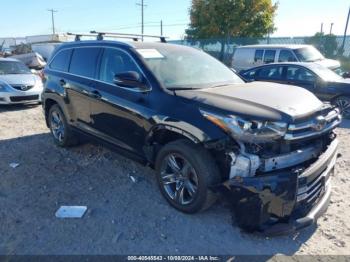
(58, 99)
(174, 129)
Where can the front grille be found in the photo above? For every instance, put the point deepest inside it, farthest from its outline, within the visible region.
(22, 87)
(315, 126)
(312, 182)
(24, 98)
(309, 192)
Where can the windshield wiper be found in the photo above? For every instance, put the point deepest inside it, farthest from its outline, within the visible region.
(181, 88)
(214, 86)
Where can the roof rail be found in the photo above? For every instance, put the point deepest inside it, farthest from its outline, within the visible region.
(135, 37)
(99, 36)
(78, 36)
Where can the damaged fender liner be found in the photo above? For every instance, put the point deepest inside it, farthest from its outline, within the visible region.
(268, 203)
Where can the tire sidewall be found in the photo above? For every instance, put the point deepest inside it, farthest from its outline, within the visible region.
(335, 101)
(190, 155)
(58, 109)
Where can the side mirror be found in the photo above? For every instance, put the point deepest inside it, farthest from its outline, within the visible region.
(130, 79)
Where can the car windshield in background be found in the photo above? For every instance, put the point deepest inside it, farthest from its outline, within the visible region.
(326, 74)
(179, 67)
(308, 54)
(12, 68)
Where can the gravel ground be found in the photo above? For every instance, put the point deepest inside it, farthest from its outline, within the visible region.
(124, 217)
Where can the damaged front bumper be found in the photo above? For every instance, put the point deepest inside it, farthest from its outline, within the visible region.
(283, 200)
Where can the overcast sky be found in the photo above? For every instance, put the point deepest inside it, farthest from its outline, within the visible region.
(23, 18)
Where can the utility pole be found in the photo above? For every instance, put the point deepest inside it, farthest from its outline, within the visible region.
(161, 27)
(142, 17)
(346, 29)
(321, 28)
(330, 31)
(53, 20)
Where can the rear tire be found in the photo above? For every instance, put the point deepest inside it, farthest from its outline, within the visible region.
(343, 103)
(62, 133)
(185, 172)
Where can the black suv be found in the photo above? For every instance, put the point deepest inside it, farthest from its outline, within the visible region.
(269, 150)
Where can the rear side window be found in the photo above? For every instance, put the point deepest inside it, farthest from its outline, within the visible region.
(113, 62)
(269, 56)
(286, 56)
(61, 61)
(271, 72)
(84, 61)
(258, 55)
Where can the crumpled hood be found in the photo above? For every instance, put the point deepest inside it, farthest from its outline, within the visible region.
(259, 100)
(20, 79)
(329, 63)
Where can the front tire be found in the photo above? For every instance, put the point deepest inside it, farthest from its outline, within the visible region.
(185, 172)
(62, 133)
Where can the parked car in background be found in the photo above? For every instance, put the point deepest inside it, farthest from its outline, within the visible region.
(18, 84)
(32, 60)
(45, 49)
(246, 57)
(269, 149)
(323, 82)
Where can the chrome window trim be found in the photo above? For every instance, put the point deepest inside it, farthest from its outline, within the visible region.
(136, 90)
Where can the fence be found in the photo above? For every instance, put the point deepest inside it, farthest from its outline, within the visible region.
(328, 45)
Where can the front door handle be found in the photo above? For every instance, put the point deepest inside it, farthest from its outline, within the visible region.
(95, 94)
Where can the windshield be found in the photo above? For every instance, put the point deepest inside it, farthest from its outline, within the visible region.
(326, 74)
(178, 67)
(308, 54)
(12, 67)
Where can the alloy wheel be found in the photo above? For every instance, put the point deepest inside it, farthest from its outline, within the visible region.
(57, 125)
(179, 179)
(344, 106)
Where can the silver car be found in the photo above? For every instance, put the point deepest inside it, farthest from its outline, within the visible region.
(18, 84)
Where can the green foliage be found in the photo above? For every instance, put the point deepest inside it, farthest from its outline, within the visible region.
(224, 19)
(231, 18)
(326, 44)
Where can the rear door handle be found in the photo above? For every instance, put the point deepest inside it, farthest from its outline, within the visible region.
(95, 94)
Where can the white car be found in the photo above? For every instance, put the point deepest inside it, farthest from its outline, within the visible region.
(246, 57)
(18, 85)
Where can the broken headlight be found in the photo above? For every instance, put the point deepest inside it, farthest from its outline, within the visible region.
(248, 130)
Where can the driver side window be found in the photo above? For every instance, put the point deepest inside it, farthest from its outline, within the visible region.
(113, 62)
(300, 74)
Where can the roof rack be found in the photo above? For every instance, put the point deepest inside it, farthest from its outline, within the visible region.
(99, 36)
(78, 36)
(135, 37)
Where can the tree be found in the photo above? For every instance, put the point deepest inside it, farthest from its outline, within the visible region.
(223, 19)
(326, 44)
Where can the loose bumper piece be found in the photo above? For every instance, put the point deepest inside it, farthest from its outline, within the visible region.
(284, 200)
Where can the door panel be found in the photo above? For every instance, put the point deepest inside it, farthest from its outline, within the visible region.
(80, 84)
(78, 91)
(120, 115)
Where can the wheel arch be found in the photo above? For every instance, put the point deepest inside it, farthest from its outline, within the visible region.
(51, 100)
(161, 135)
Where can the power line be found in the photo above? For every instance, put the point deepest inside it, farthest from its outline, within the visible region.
(53, 20)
